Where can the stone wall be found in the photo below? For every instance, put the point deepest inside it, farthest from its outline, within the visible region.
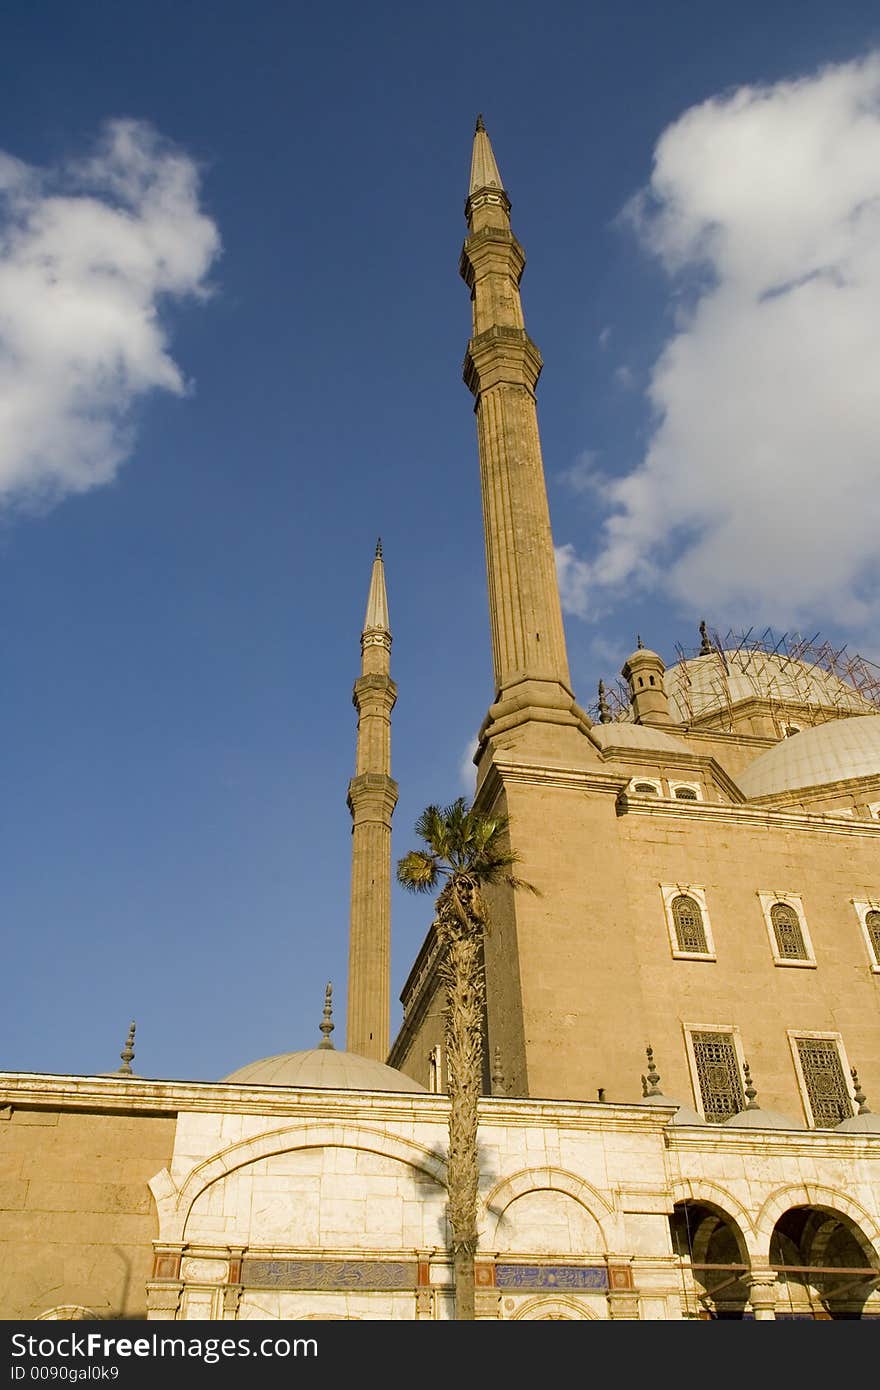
(77, 1220)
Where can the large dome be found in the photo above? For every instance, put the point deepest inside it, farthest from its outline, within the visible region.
(324, 1067)
(704, 685)
(838, 751)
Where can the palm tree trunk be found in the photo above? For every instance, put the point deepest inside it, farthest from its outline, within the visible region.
(462, 971)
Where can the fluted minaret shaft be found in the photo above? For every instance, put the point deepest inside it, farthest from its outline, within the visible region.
(501, 368)
(372, 796)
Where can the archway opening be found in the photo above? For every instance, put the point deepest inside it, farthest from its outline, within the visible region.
(826, 1266)
(713, 1260)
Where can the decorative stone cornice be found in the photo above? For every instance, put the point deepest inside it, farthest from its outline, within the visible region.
(501, 356)
(821, 1143)
(375, 637)
(715, 811)
(486, 197)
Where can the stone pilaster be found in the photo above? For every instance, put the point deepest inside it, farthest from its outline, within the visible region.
(622, 1296)
(487, 1298)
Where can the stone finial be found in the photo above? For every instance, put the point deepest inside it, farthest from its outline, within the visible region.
(604, 709)
(644, 1086)
(497, 1073)
(379, 548)
(479, 125)
(859, 1096)
(327, 1024)
(651, 1082)
(127, 1053)
(751, 1093)
(639, 643)
(705, 641)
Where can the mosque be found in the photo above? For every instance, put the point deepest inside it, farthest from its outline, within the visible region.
(682, 1024)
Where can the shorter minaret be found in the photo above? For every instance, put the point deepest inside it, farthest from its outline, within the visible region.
(372, 796)
(643, 671)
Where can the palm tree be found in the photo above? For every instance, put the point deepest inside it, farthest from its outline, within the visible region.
(465, 849)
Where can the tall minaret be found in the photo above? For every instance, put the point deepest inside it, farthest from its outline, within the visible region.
(501, 368)
(372, 796)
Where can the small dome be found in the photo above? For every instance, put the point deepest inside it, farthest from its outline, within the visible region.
(760, 1119)
(627, 735)
(323, 1067)
(838, 751)
(684, 1115)
(866, 1123)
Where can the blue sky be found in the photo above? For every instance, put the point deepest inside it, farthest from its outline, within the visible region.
(258, 372)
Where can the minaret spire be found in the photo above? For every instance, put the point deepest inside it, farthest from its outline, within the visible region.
(502, 365)
(372, 796)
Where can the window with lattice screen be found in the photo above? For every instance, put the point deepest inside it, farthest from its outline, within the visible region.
(787, 931)
(690, 934)
(685, 794)
(824, 1080)
(872, 927)
(718, 1075)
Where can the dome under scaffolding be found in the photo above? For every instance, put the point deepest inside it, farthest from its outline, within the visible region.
(788, 673)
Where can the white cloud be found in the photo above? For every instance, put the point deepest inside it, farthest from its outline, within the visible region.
(759, 492)
(89, 255)
(575, 578)
(467, 772)
(624, 377)
(584, 477)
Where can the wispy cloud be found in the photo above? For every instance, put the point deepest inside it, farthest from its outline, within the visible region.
(467, 772)
(90, 254)
(759, 489)
(585, 476)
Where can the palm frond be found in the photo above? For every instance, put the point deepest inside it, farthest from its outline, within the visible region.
(460, 840)
(418, 871)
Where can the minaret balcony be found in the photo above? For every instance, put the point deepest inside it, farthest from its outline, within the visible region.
(376, 692)
(501, 356)
(372, 797)
(491, 250)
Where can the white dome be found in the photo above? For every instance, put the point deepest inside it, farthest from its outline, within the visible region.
(838, 751)
(705, 684)
(866, 1123)
(684, 1115)
(324, 1067)
(760, 1119)
(626, 735)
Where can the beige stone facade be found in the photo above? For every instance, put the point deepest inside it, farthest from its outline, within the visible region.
(77, 1220)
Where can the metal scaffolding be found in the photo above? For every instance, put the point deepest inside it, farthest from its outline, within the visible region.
(788, 670)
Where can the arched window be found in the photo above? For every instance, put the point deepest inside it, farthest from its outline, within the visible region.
(645, 789)
(787, 930)
(872, 927)
(689, 930)
(685, 794)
